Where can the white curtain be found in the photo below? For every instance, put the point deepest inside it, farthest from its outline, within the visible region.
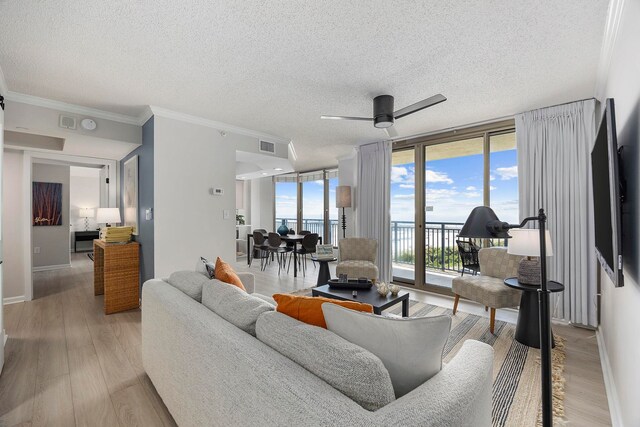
(554, 173)
(373, 201)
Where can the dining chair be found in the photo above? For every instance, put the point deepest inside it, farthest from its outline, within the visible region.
(260, 248)
(278, 249)
(307, 247)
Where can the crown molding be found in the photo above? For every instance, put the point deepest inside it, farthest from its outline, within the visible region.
(163, 112)
(145, 116)
(614, 16)
(71, 108)
(4, 89)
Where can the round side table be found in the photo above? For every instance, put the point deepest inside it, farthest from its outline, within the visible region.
(528, 326)
(324, 275)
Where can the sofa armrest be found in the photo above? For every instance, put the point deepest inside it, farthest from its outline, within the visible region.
(248, 281)
(459, 395)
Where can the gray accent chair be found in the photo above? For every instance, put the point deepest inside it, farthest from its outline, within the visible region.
(358, 258)
(488, 288)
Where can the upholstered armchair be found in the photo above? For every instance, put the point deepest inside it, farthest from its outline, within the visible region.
(358, 258)
(488, 288)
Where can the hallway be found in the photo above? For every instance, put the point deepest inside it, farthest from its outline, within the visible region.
(69, 364)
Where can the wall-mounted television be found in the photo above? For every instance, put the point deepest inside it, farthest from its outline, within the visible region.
(608, 195)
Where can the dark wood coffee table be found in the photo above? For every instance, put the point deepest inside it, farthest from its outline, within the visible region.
(366, 296)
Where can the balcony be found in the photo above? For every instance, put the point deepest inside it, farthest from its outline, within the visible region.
(442, 261)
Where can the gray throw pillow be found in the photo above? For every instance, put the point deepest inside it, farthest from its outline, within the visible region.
(352, 370)
(189, 282)
(234, 305)
(410, 348)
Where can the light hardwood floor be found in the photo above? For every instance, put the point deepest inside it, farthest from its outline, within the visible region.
(66, 363)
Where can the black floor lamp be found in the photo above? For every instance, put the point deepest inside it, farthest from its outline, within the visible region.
(343, 200)
(484, 224)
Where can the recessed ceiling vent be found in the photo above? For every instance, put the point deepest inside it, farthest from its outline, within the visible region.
(267, 147)
(67, 122)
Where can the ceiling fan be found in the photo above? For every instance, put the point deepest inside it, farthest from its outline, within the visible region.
(384, 116)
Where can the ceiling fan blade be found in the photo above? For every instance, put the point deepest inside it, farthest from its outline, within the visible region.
(391, 131)
(367, 119)
(421, 105)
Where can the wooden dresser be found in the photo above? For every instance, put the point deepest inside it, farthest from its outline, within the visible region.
(116, 274)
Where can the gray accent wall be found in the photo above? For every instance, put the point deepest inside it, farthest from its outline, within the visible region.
(52, 241)
(145, 236)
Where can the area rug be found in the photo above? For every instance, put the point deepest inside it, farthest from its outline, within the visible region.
(516, 368)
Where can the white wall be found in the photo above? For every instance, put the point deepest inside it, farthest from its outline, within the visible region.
(262, 203)
(347, 173)
(52, 241)
(620, 315)
(84, 193)
(12, 224)
(188, 160)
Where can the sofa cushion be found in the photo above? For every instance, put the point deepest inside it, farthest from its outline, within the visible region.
(266, 298)
(309, 309)
(411, 349)
(234, 305)
(225, 273)
(348, 368)
(189, 282)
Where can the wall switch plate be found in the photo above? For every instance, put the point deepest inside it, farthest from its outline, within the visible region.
(148, 214)
(226, 214)
(216, 191)
(36, 250)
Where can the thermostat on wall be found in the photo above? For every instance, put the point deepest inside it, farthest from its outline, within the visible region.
(216, 191)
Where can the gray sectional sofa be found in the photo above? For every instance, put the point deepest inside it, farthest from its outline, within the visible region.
(215, 372)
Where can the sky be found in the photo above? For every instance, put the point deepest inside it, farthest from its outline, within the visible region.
(455, 186)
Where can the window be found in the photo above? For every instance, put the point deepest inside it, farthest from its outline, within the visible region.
(461, 170)
(306, 201)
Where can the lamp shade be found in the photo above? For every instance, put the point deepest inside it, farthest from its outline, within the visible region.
(478, 224)
(343, 196)
(526, 242)
(108, 216)
(86, 213)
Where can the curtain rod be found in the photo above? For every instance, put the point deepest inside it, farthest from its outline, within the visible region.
(563, 103)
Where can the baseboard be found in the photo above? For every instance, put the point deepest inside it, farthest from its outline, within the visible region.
(13, 300)
(609, 383)
(50, 267)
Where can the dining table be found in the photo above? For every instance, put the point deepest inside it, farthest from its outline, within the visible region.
(290, 239)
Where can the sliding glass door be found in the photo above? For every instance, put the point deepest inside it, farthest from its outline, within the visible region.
(430, 203)
(307, 202)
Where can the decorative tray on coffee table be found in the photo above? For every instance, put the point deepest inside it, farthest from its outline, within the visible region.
(350, 284)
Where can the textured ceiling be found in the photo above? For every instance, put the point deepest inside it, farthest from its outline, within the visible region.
(276, 66)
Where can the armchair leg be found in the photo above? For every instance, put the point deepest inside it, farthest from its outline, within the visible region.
(492, 319)
(455, 304)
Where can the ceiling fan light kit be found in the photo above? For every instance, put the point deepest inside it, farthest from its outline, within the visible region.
(383, 114)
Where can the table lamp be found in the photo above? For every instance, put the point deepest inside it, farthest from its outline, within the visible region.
(484, 223)
(343, 200)
(86, 213)
(108, 216)
(526, 242)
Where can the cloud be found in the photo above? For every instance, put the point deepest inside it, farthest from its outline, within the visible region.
(471, 188)
(402, 175)
(285, 197)
(433, 176)
(492, 178)
(472, 194)
(404, 196)
(410, 186)
(491, 188)
(507, 173)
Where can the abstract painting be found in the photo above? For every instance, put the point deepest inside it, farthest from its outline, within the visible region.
(130, 196)
(47, 203)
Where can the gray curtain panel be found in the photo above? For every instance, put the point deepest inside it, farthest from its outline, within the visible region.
(373, 201)
(554, 173)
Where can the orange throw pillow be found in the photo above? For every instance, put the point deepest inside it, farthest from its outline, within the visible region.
(225, 273)
(309, 309)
